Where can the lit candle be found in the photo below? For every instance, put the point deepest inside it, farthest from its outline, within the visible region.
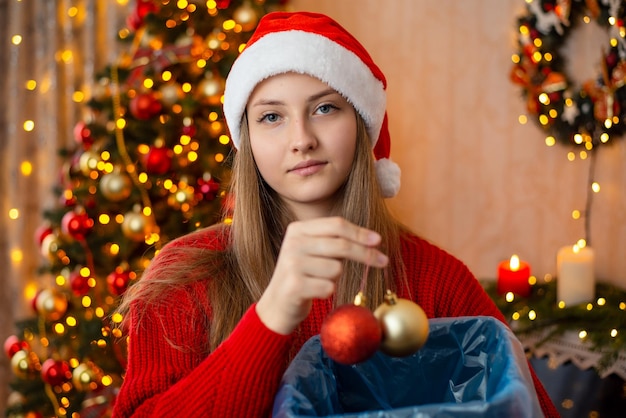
(513, 277)
(575, 280)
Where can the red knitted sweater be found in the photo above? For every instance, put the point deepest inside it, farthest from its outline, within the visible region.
(167, 377)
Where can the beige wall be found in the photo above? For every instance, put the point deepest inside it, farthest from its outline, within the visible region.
(475, 181)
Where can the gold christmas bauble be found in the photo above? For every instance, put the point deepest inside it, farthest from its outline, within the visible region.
(51, 304)
(136, 226)
(88, 162)
(171, 93)
(85, 377)
(24, 364)
(211, 90)
(115, 186)
(404, 324)
(214, 40)
(246, 16)
(183, 198)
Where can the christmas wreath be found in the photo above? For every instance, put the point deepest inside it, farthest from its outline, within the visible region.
(584, 116)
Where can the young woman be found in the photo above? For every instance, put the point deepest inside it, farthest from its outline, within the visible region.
(219, 314)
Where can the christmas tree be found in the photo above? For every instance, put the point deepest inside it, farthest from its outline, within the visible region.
(149, 163)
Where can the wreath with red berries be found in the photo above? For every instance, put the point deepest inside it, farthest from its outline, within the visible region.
(584, 116)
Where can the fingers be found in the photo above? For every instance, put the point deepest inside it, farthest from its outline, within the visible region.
(336, 238)
(339, 227)
(309, 264)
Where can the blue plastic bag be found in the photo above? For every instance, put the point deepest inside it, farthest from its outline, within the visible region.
(469, 367)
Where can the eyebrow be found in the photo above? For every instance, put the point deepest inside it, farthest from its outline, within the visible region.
(312, 98)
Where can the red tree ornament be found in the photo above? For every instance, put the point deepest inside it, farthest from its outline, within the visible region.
(350, 334)
(158, 160)
(119, 280)
(83, 135)
(13, 344)
(207, 188)
(76, 224)
(55, 372)
(145, 106)
(142, 8)
(189, 130)
(68, 200)
(79, 283)
(42, 232)
(223, 4)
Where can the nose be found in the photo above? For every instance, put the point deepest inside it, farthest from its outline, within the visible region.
(302, 134)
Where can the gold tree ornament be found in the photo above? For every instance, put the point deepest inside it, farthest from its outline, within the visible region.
(136, 226)
(51, 304)
(86, 377)
(116, 186)
(211, 89)
(404, 326)
(25, 364)
(246, 16)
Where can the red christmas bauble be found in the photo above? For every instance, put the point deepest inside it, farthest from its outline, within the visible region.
(143, 7)
(83, 135)
(189, 130)
(79, 284)
(350, 334)
(33, 301)
(118, 281)
(13, 344)
(41, 232)
(136, 17)
(158, 160)
(145, 106)
(55, 372)
(76, 224)
(133, 21)
(207, 188)
(223, 4)
(68, 200)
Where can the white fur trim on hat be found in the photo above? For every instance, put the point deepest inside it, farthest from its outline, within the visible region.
(388, 174)
(306, 53)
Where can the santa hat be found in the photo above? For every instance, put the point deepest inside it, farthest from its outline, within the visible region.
(314, 44)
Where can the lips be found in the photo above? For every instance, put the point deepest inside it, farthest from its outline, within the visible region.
(308, 167)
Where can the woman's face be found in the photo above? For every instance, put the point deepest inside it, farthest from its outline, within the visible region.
(303, 137)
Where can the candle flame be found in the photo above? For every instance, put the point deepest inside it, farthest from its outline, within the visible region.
(514, 263)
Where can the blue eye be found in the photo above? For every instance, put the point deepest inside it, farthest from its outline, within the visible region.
(326, 108)
(269, 117)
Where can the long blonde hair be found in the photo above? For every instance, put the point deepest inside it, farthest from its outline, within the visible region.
(237, 276)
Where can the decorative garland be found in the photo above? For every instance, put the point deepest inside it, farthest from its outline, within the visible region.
(603, 320)
(584, 116)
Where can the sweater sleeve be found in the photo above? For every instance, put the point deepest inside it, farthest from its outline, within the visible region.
(167, 377)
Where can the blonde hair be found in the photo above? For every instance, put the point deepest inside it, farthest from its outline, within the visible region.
(237, 276)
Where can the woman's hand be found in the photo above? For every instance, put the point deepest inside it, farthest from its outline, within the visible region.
(309, 264)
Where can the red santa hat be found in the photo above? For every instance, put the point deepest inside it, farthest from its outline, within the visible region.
(314, 44)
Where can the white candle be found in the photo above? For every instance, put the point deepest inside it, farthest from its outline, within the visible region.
(575, 280)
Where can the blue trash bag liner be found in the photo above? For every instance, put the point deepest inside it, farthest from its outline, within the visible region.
(469, 367)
